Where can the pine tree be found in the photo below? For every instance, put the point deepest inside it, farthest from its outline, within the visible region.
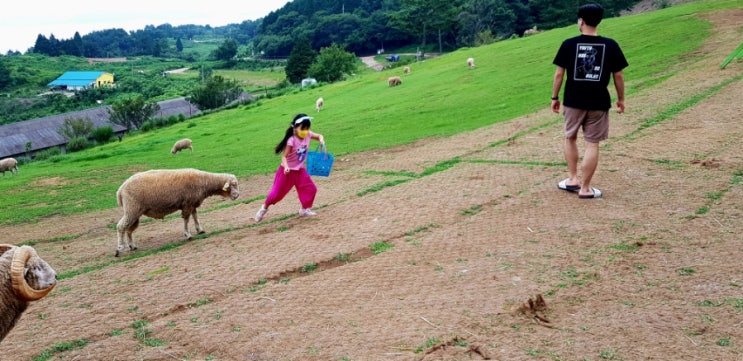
(300, 59)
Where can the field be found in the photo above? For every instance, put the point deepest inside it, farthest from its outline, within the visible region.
(456, 246)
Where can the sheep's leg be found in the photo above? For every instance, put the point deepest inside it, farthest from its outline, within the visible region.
(129, 231)
(120, 237)
(196, 222)
(124, 234)
(185, 214)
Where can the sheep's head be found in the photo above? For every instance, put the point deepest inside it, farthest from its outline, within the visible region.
(32, 278)
(231, 186)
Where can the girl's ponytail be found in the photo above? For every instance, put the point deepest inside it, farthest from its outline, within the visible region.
(282, 145)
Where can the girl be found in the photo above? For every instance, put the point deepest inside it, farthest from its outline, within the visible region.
(292, 171)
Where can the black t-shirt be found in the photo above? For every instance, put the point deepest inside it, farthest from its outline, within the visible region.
(589, 62)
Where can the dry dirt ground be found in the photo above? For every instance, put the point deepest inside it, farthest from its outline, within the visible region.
(488, 259)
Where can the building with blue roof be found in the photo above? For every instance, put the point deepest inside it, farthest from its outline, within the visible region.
(79, 80)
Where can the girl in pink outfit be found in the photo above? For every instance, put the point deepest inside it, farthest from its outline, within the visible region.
(292, 171)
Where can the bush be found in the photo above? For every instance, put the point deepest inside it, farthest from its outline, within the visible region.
(103, 135)
(154, 123)
(77, 144)
(47, 153)
(23, 160)
(146, 127)
(78, 127)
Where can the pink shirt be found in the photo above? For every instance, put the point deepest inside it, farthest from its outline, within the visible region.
(297, 157)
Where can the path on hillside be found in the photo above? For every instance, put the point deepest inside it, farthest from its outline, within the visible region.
(371, 62)
(474, 228)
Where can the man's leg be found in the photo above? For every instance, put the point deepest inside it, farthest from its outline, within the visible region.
(590, 163)
(571, 157)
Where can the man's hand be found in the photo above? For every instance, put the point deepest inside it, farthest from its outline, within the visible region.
(556, 106)
(620, 106)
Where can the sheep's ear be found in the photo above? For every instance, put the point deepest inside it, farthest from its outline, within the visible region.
(226, 187)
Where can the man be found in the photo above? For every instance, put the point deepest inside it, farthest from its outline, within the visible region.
(589, 61)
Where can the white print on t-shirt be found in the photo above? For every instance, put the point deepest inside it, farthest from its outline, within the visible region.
(301, 153)
(589, 61)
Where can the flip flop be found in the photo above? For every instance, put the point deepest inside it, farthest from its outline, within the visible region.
(596, 194)
(564, 186)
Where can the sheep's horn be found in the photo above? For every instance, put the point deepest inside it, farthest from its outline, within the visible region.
(20, 286)
(226, 186)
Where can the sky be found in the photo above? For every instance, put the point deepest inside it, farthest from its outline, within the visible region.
(22, 23)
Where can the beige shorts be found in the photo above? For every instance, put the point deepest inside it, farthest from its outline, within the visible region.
(595, 124)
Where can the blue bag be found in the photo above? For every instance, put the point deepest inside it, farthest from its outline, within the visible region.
(319, 161)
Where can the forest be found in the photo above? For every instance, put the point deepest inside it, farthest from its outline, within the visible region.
(360, 26)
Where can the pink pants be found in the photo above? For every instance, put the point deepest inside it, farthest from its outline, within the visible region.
(283, 183)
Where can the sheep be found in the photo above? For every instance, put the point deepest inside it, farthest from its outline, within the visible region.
(319, 103)
(532, 31)
(159, 192)
(471, 63)
(394, 81)
(406, 70)
(181, 145)
(24, 277)
(9, 164)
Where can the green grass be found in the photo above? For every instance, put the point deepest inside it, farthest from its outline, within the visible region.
(440, 98)
(253, 81)
(61, 347)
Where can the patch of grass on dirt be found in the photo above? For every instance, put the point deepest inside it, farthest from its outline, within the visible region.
(673, 110)
(309, 268)
(143, 334)
(380, 247)
(60, 347)
(430, 342)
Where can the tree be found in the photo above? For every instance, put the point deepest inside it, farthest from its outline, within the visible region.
(332, 64)
(421, 17)
(226, 51)
(300, 59)
(76, 127)
(483, 21)
(179, 45)
(132, 112)
(42, 45)
(5, 78)
(217, 92)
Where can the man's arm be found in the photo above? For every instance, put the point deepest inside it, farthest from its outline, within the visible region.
(619, 86)
(556, 85)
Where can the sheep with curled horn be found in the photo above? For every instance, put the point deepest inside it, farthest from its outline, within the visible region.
(159, 192)
(24, 277)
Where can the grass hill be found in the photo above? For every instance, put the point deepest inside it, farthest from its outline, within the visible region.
(440, 97)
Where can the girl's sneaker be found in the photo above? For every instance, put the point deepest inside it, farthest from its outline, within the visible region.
(260, 214)
(306, 212)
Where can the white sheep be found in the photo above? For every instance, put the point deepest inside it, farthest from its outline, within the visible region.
(157, 193)
(9, 164)
(471, 63)
(406, 70)
(181, 145)
(319, 103)
(24, 277)
(394, 81)
(532, 31)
